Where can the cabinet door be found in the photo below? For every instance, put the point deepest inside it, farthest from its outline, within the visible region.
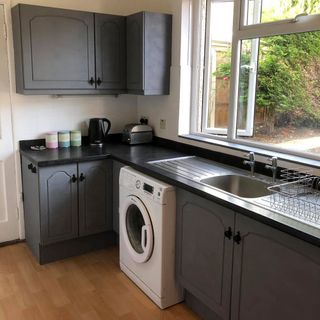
(157, 53)
(57, 47)
(110, 51)
(275, 276)
(204, 253)
(95, 194)
(135, 66)
(149, 53)
(58, 203)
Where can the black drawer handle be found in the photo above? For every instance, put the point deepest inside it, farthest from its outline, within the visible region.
(228, 233)
(82, 177)
(91, 81)
(30, 166)
(99, 81)
(34, 170)
(237, 238)
(74, 178)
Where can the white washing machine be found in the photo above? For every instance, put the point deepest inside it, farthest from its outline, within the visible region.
(147, 236)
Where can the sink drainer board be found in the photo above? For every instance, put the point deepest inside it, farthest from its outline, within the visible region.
(190, 167)
(297, 196)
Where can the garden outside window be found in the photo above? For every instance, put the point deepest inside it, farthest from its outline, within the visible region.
(260, 84)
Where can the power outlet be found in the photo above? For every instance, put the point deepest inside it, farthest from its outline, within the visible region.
(163, 124)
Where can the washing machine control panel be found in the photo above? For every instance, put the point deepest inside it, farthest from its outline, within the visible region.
(142, 184)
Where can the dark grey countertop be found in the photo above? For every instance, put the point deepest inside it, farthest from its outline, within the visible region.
(138, 156)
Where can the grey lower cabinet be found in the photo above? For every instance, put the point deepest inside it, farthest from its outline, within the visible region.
(116, 167)
(66, 203)
(60, 51)
(275, 276)
(95, 197)
(58, 197)
(149, 53)
(204, 254)
(233, 267)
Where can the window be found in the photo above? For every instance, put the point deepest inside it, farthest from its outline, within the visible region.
(259, 74)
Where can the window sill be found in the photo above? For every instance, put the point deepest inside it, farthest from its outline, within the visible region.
(236, 149)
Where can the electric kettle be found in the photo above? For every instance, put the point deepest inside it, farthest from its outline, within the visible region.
(98, 130)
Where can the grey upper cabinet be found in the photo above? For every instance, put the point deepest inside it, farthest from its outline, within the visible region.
(275, 276)
(149, 53)
(56, 51)
(204, 259)
(94, 197)
(59, 51)
(54, 48)
(110, 33)
(58, 203)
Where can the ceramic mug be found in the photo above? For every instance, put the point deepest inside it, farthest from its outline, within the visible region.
(52, 140)
(75, 138)
(64, 139)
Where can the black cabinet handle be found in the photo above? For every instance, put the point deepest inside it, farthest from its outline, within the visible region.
(228, 233)
(237, 238)
(74, 178)
(32, 168)
(82, 177)
(99, 81)
(91, 81)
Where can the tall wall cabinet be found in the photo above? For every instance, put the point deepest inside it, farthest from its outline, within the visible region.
(59, 51)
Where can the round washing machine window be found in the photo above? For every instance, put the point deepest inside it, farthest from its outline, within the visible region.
(137, 230)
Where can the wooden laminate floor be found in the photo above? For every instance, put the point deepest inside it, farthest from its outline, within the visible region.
(88, 287)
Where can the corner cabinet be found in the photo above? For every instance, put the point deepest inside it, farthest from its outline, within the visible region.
(60, 51)
(66, 204)
(149, 53)
(237, 268)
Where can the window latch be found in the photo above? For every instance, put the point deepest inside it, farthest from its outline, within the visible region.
(296, 18)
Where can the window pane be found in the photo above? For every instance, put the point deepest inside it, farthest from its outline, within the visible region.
(259, 11)
(286, 103)
(219, 62)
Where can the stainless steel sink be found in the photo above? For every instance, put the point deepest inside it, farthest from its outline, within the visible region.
(242, 186)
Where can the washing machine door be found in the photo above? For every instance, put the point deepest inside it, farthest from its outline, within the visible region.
(137, 229)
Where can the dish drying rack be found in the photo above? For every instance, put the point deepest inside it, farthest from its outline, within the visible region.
(298, 195)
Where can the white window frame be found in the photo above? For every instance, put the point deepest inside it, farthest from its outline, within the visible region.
(302, 23)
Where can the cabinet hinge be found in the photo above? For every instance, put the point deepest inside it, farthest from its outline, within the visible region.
(5, 31)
